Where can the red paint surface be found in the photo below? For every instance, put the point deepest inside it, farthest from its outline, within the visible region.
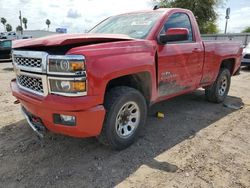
(178, 31)
(193, 65)
(64, 39)
(89, 116)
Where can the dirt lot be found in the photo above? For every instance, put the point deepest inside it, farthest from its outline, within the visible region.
(197, 144)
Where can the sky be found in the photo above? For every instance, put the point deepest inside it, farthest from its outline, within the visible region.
(80, 15)
(239, 16)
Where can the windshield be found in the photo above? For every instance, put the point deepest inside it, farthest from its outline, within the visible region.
(135, 25)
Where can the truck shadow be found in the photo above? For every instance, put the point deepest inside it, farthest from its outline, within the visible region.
(245, 69)
(63, 161)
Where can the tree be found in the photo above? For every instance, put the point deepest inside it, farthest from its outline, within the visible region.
(25, 21)
(19, 28)
(246, 30)
(48, 23)
(8, 27)
(3, 21)
(211, 28)
(204, 11)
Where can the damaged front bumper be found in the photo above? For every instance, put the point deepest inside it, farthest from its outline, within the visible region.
(35, 123)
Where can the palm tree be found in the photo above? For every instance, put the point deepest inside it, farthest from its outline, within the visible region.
(48, 23)
(19, 28)
(8, 27)
(3, 21)
(25, 21)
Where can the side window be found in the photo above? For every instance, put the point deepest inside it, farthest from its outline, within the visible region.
(179, 20)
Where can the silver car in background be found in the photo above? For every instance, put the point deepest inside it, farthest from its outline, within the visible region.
(246, 57)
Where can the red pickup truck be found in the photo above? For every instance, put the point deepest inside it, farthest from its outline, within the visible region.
(102, 83)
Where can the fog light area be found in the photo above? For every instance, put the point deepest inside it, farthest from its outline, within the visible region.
(64, 119)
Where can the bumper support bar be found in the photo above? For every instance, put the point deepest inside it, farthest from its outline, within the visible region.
(33, 126)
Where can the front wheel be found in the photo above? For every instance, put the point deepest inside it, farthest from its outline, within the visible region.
(126, 112)
(219, 90)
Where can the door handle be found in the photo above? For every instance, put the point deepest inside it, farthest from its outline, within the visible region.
(197, 50)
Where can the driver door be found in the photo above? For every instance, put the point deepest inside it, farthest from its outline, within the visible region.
(179, 63)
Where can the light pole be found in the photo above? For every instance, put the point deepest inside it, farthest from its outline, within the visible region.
(20, 18)
(227, 18)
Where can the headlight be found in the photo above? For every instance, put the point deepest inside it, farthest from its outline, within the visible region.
(67, 75)
(68, 86)
(66, 64)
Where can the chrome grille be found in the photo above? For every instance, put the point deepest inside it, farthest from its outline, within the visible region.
(28, 62)
(31, 83)
(26, 65)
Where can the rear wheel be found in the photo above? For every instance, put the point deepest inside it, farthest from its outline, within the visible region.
(126, 112)
(219, 90)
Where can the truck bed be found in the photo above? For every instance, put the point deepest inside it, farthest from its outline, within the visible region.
(214, 53)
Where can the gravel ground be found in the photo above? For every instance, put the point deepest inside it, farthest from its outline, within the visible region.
(197, 144)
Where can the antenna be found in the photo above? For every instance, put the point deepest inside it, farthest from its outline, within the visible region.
(156, 7)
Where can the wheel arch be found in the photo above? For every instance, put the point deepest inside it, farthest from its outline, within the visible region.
(141, 81)
(229, 64)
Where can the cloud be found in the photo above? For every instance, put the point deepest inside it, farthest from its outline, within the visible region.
(88, 20)
(54, 5)
(238, 20)
(73, 14)
(24, 1)
(43, 13)
(81, 15)
(66, 24)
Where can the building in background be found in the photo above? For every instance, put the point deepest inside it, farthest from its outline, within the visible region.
(26, 34)
(8, 35)
(61, 30)
(35, 33)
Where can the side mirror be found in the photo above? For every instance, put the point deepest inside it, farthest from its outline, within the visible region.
(174, 35)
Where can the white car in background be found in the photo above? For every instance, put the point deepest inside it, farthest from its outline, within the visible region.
(246, 57)
(8, 35)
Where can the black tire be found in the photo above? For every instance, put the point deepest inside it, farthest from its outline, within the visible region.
(115, 100)
(214, 93)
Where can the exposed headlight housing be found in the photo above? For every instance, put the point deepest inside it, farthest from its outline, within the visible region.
(66, 64)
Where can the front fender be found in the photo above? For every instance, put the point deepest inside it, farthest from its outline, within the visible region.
(108, 61)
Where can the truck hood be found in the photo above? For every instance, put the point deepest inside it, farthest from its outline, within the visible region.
(69, 39)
